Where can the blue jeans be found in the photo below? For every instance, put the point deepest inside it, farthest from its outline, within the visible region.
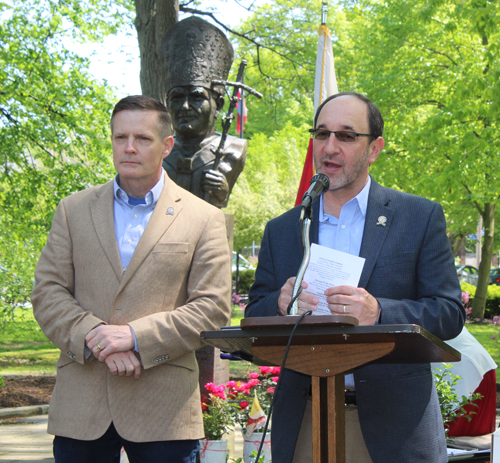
(107, 448)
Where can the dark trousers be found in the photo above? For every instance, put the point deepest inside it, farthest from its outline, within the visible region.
(107, 449)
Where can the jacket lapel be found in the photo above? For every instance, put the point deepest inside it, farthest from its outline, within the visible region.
(378, 212)
(103, 218)
(166, 211)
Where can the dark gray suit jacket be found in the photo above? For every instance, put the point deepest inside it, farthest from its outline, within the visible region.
(410, 269)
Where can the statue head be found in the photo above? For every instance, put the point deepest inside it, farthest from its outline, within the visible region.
(197, 54)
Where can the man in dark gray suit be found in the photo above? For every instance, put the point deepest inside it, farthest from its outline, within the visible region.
(408, 277)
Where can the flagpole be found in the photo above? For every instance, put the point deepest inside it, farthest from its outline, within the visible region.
(242, 108)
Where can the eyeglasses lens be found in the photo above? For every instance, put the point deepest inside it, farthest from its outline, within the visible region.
(340, 135)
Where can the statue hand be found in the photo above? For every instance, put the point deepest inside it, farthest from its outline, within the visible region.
(215, 183)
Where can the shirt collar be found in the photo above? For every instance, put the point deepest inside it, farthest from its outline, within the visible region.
(151, 197)
(361, 198)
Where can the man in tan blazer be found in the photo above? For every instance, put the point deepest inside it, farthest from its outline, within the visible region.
(132, 272)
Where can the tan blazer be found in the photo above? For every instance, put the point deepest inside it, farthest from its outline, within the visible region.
(176, 285)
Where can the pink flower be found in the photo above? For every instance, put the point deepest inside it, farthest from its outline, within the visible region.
(275, 378)
(252, 383)
(265, 370)
(241, 387)
(465, 297)
(254, 375)
(275, 370)
(231, 384)
(244, 404)
(210, 387)
(270, 390)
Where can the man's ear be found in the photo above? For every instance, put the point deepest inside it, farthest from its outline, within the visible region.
(168, 144)
(375, 148)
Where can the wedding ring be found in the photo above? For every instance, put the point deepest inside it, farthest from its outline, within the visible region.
(98, 347)
(344, 309)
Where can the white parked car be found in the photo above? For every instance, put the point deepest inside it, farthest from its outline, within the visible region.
(243, 263)
(468, 273)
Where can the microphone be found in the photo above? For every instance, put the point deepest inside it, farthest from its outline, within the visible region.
(319, 184)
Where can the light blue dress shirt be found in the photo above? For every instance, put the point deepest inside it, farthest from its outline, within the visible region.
(131, 217)
(345, 233)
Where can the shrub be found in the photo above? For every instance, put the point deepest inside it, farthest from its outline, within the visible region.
(452, 406)
(217, 412)
(492, 298)
(246, 279)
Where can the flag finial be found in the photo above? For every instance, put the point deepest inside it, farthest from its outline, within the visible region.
(324, 11)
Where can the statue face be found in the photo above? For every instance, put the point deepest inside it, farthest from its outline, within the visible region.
(193, 111)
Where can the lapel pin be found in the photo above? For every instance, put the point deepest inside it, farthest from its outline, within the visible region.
(382, 220)
(170, 211)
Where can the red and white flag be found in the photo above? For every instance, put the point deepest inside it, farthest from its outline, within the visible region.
(325, 85)
(241, 109)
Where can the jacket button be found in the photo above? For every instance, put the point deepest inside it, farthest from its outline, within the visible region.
(305, 392)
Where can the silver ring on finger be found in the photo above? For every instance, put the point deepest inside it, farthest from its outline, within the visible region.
(344, 309)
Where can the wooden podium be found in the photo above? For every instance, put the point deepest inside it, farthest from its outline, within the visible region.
(327, 347)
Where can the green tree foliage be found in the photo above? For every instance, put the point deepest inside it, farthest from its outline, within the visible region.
(433, 68)
(279, 42)
(268, 185)
(54, 120)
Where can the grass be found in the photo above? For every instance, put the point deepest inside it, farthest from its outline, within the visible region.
(489, 336)
(24, 349)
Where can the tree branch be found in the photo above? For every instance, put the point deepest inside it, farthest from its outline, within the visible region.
(478, 206)
(8, 116)
(238, 34)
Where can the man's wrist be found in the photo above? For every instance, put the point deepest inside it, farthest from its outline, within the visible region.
(136, 347)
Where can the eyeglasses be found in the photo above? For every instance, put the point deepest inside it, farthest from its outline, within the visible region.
(341, 135)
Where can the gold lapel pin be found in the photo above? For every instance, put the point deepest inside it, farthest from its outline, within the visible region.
(170, 211)
(382, 220)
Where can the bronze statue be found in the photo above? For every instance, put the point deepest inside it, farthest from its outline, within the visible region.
(198, 54)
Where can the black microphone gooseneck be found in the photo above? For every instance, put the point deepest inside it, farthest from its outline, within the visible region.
(319, 183)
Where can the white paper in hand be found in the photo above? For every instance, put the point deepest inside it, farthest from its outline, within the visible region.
(328, 267)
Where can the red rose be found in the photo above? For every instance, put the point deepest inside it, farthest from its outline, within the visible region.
(243, 404)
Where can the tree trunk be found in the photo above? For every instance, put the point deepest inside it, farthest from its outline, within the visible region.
(153, 19)
(456, 242)
(479, 302)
